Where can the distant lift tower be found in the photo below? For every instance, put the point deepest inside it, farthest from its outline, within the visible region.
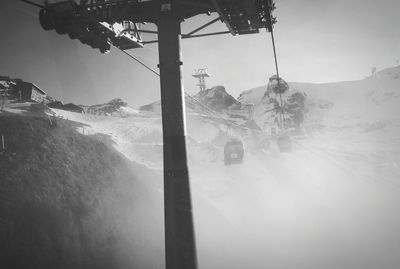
(83, 20)
(201, 74)
(250, 107)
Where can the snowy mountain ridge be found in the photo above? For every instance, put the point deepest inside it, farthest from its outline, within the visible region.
(215, 99)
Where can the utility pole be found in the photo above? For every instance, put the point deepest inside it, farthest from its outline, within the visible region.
(180, 250)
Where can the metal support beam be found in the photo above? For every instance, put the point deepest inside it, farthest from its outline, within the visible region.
(191, 36)
(150, 42)
(144, 31)
(203, 26)
(207, 34)
(180, 252)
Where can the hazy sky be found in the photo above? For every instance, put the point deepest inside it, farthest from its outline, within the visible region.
(317, 41)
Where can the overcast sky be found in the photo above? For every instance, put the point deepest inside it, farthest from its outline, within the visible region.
(317, 41)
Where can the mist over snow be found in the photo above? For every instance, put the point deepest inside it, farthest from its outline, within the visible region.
(330, 203)
(81, 146)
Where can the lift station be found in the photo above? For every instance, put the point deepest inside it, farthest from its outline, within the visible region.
(102, 23)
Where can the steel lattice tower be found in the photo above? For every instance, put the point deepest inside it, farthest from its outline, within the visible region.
(201, 74)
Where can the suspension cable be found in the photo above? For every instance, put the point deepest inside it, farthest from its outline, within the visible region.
(282, 115)
(274, 49)
(210, 111)
(139, 61)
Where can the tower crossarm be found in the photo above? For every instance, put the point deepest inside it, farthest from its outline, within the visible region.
(240, 16)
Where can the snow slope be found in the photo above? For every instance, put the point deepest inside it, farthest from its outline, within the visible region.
(330, 203)
(136, 136)
(358, 102)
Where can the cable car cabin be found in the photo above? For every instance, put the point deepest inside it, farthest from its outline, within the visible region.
(233, 151)
(284, 143)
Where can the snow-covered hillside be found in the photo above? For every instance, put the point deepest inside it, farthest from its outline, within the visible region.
(374, 99)
(366, 104)
(330, 203)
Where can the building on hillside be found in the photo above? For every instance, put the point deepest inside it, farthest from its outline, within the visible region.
(26, 91)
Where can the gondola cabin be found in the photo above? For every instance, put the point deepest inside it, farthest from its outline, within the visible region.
(233, 151)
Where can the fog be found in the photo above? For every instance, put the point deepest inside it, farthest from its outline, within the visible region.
(295, 210)
(331, 202)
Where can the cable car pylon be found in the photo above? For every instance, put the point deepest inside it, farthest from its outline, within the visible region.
(180, 249)
(82, 22)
